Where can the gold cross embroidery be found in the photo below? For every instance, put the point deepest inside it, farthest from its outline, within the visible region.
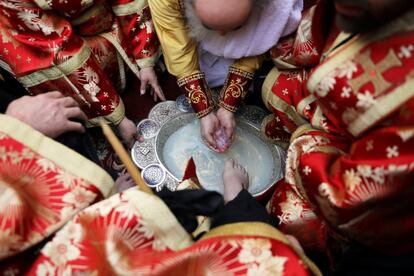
(373, 72)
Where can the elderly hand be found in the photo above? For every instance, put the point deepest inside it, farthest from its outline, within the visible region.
(128, 131)
(209, 125)
(227, 122)
(148, 76)
(51, 113)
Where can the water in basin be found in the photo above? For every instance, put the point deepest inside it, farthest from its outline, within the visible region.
(247, 149)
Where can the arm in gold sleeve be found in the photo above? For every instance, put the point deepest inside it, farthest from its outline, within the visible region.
(180, 53)
(249, 64)
(238, 82)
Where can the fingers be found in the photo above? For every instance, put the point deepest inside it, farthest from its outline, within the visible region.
(153, 94)
(157, 90)
(69, 102)
(144, 84)
(140, 137)
(75, 113)
(209, 139)
(74, 126)
(54, 94)
(131, 141)
(229, 132)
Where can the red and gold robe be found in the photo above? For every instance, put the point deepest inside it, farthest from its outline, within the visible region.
(81, 48)
(43, 185)
(349, 123)
(44, 194)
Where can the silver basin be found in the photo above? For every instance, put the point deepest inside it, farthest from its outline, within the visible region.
(263, 161)
(166, 118)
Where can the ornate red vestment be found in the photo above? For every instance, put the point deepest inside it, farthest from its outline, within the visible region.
(350, 128)
(78, 47)
(43, 185)
(43, 198)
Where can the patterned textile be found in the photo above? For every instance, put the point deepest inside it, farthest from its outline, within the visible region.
(133, 233)
(79, 48)
(350, 128)
(195, 88)
(43, 199)
(43, 184)
(235, 89)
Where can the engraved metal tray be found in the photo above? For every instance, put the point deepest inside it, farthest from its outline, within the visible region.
(167, 117)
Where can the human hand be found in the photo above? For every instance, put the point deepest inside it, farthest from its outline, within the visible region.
(148, 76)
(51, 113)
(128, 131)
(124, 182)
(227, 122)
(208, 126)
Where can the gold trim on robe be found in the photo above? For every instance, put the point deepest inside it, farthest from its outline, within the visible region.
(64, 157)
(91, 12)
(130, 8)
(383, 107)
(267, 86)
(148, 62)
(57, 71)
(134, 68)
(350, 49)
(114, 118)
(44, 4)
(160, 219)
(259, 229)
(304, 103)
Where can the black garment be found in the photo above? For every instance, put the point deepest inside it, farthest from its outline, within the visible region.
(11, 89)
(361, 261)
(244, 208)
(188, 204)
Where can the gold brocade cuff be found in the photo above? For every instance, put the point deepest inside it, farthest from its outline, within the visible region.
(235, 89)
(198, 93)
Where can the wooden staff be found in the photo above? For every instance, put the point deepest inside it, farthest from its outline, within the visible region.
(123, 155)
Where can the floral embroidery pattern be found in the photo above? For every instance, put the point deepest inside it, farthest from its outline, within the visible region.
(36, 196)
(257, 253)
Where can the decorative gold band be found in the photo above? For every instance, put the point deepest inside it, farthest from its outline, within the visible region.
(66, 158)
(114, 118)
(259, 229)
(198, 93)
(130, 8)
(235, 88)
(57, 71)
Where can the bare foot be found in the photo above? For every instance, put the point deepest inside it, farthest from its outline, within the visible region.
(235, 178)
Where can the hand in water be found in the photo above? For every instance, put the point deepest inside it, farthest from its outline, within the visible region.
(223, 143)
(208, 127)
(225, 135)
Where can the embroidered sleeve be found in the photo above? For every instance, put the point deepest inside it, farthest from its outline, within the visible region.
(45, 183)
(235, 89)
(179, 50)
(238, 81)
(44, 53)
(199, 95)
